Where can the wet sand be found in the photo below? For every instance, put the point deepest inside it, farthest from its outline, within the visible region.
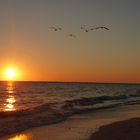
(78, 127)
(124, 130)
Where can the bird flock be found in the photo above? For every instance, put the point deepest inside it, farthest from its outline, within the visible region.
(85, 29)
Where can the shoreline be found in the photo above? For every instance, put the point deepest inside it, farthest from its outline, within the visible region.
(123, 130)
(79, 126)
(46, 114)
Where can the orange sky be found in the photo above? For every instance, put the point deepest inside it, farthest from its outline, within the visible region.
(40, 54)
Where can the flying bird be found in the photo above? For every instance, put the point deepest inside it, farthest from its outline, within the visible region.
(56, 28)
(71, 35)
(85, 29)
(101, 27)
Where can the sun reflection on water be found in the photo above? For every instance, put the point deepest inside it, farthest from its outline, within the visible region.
(21, 137)
(10, 87)
(10, 101)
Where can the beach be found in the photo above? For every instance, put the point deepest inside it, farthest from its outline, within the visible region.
(123, 130)
(63, 111)
(69, 70)
(81, 126)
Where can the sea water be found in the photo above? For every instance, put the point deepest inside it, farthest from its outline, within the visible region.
(24, 95)
(25, 105)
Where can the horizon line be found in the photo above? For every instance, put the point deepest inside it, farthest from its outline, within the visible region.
(45, 81)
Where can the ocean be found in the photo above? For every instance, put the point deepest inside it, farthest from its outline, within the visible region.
(24, 95)
(29, 104)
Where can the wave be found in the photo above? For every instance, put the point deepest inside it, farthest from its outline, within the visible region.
(95, 100)
(46, 114)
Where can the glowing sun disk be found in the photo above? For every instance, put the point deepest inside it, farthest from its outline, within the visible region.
(10, 74)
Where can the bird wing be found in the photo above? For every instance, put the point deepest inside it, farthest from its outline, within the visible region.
(106, 28)
(97, 28)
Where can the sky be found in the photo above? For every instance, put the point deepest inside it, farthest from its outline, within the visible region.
(39, 54)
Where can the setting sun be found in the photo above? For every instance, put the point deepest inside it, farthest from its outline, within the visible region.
(10, 74)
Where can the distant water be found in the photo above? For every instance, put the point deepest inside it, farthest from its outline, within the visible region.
(30, 104)
(23, 95)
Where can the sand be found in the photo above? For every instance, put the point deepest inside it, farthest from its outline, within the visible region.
(78, 127)
(124, 130)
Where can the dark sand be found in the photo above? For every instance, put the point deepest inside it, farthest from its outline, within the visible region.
(123, 130)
